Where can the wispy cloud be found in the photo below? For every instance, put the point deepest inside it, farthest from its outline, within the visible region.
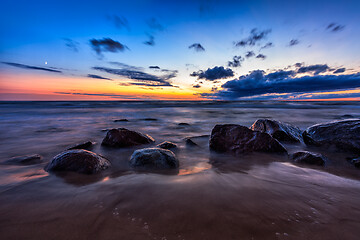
(98, 77)
(24, 66)
(197, 47)
(236, 62)
(71, 44)
(335, 27)
(120, 22)
(293, 42)
(106, 45)
(261, 56)
(255, 37)
(315, 69)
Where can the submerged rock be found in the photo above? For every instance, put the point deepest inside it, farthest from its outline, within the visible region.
(79, 160)
(308, 158)
(150, 119)
(279, 130)
(355, 162)
(121, 120)
(183, 124)
(345, 135)
(190, 143)
(25, 160)
(84, 145)
(123, 137)
(166, 145)
(240, 139)
(157, 158)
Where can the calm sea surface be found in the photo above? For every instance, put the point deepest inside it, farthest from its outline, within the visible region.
(211, 196)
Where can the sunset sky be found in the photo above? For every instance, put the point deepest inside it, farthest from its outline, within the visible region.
(180, 50)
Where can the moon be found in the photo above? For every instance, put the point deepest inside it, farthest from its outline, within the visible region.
(45, 62)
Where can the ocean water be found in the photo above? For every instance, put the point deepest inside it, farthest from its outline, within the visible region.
(211, 196)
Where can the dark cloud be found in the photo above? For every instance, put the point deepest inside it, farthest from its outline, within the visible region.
(298, 65)
(236, 62)
(293, 42)
(154, 67)
(334, 27)
(98, 77)
(151, 41)
(106, 45)
(196, 86)
(19, 65)
(154, 24)
(340, 70)
(268, 45)
(212, 74)
(250, 54)
(315, 69)
(255, 37)
(71, 44)
(197, 46)
(258, 83)
(120, 22)
(126, 66)
(261, 56)
(144, 79)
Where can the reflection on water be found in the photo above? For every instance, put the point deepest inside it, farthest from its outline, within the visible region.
(211, 196)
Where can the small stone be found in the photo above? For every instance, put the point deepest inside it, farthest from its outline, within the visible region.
(121, 120)
(308, 158)
(25, 160)
(166, 145)
(157, 158)
(84, 145)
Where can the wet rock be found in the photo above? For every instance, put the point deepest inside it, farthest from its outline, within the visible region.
(25, 160)
(166, 145)
(149, 119)
(157, 158)
(78, 160)
(84, 145)
(279, 130)
(240, 139)
(345, 135)
(183, 124)
(121, 120)
(190, 143)
(308, 158)
(123, 137)
(347, 116)
(355, 162)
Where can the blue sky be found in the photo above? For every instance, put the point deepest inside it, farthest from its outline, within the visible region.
(58, 34)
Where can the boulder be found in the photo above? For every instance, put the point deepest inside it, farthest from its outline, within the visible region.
(355, 162)
(25, 160)
(345, 135)
(166, 145)
(123, 137)
(308, 158)
(121, 120)
(279, 130)
(84, 145)
(183, 124)
(190, 143)
(240, 139)
(78, 160)
(156, 158)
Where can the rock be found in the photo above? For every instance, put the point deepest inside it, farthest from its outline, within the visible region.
(78, 160)
(121, 120)
(355, 162)
(183, 124)
(345, 135)
(149, 119)
(84, 145)
(154, 158)
(309, 158)
(240, 139)
(25, 160)
(190, 143)
(166, 145)
(347, 116)
(123, 137)
(279, 130)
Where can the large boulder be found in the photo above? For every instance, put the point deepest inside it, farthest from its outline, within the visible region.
(155, 158)
(240, 139)
(345, 135)
(79, 160)
(279, 130)
(123, 137)
(308, 158)
(25, 160)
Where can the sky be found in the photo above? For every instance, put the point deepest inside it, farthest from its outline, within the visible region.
(180, 50)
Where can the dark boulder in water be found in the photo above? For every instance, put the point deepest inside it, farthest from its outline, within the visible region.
(239, 139)
(150, 119)
(183, 124)
(121, 120)
(308, 158)
(79, 160)
(84, 145)
(355, 162)
(123, 137)
(166, 145)
(25, 160)
(154, 158)
(190, 143)
(345, 135)
(279, 130)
